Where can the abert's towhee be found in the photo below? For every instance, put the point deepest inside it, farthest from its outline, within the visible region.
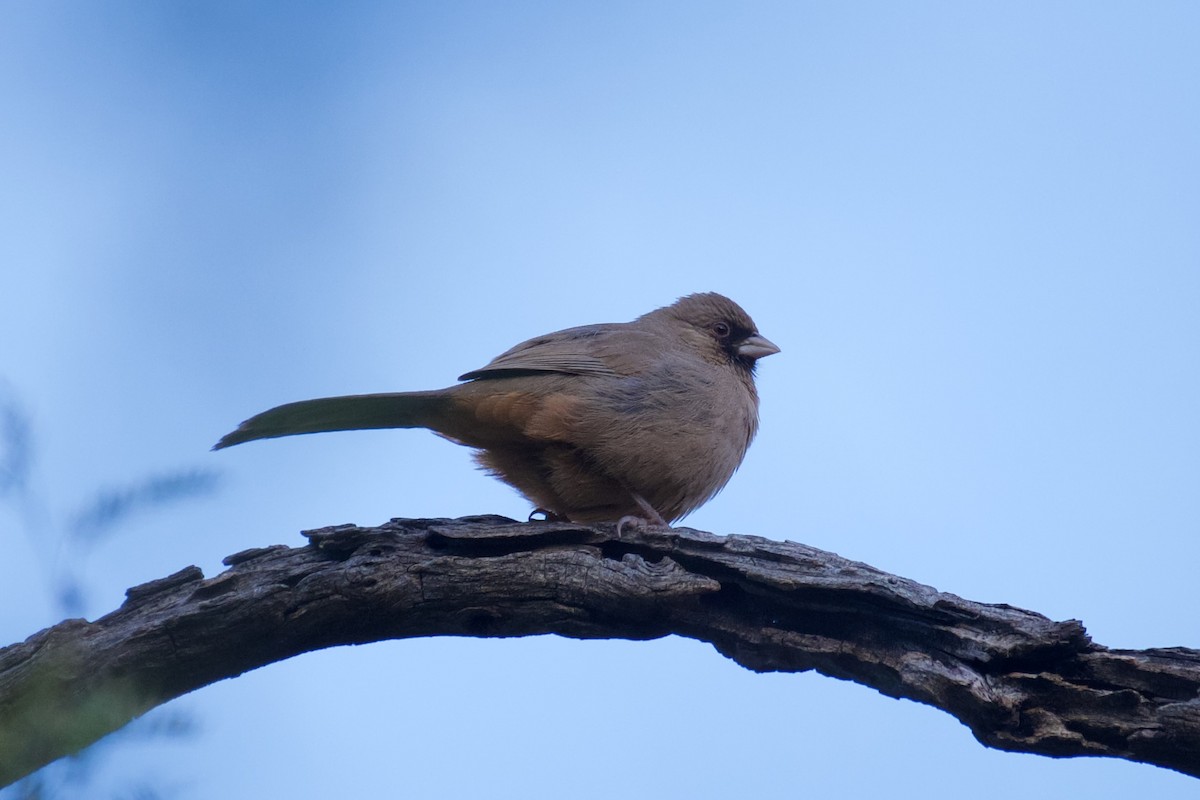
(645, 419)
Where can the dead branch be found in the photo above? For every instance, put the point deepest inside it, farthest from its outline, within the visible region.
(1019, 681)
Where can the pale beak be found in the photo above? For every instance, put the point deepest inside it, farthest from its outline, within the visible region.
(756, 347)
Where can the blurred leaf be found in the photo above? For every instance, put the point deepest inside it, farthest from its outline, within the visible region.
(140, 792)
(69, 595)
(16, 449)
(165, 722)
(73, 776)
(113, 506)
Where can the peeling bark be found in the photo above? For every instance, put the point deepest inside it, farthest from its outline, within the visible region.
(1018, 680)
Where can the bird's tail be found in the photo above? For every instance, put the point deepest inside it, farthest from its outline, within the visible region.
(353, 412)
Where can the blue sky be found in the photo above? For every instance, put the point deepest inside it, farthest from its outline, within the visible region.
(972, 229)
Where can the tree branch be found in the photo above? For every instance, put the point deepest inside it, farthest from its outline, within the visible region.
(1019, 681)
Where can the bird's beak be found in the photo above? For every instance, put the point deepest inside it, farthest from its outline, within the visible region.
(756, 347)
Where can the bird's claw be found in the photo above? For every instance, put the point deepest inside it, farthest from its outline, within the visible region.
(651, 520)
(640, 523)
(649, 516)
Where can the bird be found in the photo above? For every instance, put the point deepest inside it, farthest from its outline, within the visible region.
(630, 422)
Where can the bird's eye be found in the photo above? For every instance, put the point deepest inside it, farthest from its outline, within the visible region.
(721, 329)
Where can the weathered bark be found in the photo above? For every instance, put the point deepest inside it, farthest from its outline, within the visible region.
(1019, 681)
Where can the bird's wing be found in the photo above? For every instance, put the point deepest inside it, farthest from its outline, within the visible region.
(576, 351)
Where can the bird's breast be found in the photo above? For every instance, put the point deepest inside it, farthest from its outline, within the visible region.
(675, 436)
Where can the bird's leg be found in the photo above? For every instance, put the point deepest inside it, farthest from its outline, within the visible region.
(650, 515)
(547, 516)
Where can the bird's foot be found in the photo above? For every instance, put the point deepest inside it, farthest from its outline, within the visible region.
(649, 517)
(649, 512)
(634, 521)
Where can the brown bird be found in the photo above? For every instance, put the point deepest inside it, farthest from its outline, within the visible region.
(641, 420)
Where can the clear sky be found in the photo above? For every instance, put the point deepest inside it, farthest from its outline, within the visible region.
(974, 229)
